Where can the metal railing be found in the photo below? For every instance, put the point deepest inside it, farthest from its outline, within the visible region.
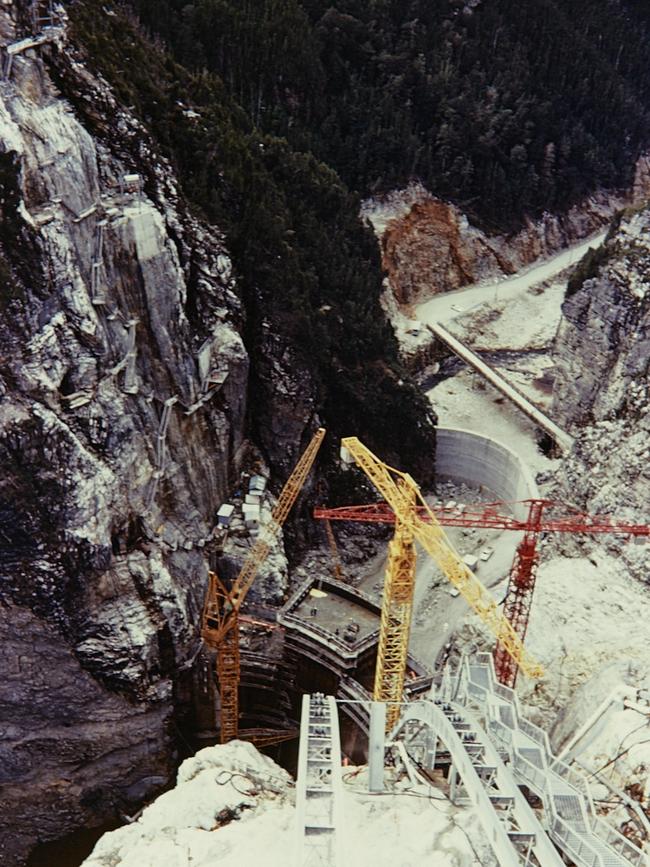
(476, 680)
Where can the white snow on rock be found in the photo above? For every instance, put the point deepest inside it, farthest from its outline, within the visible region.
(179, 828)
(586, 617)
(189, 826)
(612, 725)
(407, 826)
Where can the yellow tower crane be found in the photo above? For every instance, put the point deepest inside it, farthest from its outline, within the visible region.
(220, 622)
(402, 494)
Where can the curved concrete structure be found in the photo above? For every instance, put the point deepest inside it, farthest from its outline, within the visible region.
(480, 461)
(561, 437)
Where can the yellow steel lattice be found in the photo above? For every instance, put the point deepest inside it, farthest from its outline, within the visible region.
(401, 492)
(220, 625)
(397, 605)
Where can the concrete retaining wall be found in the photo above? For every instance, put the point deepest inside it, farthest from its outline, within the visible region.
(464, 456)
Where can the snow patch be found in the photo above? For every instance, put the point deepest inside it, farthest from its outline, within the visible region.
(233, 807)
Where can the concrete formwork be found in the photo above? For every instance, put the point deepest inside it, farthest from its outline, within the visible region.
(476, 460)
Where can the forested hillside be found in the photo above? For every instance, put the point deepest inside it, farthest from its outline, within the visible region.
(505, 107)
(307, 267)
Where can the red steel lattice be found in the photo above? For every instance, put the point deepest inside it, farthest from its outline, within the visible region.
(521, 583)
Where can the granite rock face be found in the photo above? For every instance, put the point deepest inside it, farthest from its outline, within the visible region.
(602, 356)
(123, 388)
(602, 348)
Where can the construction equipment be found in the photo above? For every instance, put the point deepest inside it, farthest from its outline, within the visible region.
(402, 494)
(220, 622)
(521, 584)
(336, 557)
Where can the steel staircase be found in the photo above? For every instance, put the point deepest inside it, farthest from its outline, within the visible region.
(571, 818)
(444, 732)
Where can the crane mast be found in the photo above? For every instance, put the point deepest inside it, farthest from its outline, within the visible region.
(220, 621)
(336, 558)
(402, 494)
(492, 516)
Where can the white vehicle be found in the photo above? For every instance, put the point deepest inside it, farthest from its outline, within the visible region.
(486, 553)
(470, 561)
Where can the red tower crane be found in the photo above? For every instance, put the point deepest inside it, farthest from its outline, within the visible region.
(521, 583)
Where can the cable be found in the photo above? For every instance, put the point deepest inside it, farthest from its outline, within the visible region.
(469, 840)
(626, 750)
(224, 777)
(422, 770)
(622, 753)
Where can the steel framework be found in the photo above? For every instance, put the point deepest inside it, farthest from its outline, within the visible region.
(336, 558)
(409, 509)
(220, 622)
(521, 584)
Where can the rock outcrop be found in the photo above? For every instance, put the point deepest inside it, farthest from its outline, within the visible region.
(429, 246)
(602, 356)
(123, 384)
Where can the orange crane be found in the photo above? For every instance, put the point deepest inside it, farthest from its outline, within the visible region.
(220, 621)
(336, 557)
(414, 520)
(541, 518)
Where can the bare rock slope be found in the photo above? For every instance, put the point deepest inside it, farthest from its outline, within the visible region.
(122, 368)
(602, 356)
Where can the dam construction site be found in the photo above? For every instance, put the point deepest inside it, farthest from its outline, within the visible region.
(447, 719)
(324, 433)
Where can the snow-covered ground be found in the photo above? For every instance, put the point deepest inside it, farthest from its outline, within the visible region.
(208, 818)
(234, 807)
(600, 620)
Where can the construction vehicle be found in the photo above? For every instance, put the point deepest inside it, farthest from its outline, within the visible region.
(220, 622)
(403, 496)
(519, 595)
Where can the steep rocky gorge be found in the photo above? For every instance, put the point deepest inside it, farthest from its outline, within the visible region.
(125, 391)
(142, 370)
(118, 309)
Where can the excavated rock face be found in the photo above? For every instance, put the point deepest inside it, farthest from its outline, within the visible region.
(429, 246)
(113, 301)
(427, 251)
(602, 347)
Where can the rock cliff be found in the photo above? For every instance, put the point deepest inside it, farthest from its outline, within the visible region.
(123, 382)
(602, 357)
